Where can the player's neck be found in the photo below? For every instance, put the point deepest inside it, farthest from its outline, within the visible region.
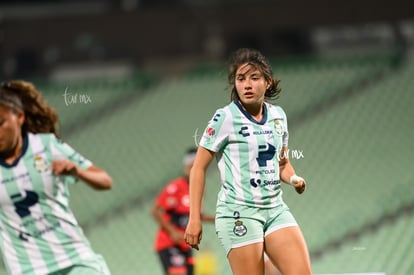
(12, 154)
(255, 110)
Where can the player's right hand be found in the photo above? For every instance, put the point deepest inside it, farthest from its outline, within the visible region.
(193, 234)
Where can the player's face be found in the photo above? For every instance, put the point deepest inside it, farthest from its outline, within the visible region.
(250, 85)
(10, 129)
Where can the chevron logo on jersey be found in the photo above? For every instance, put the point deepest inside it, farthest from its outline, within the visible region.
(216, 117)
(244, 131)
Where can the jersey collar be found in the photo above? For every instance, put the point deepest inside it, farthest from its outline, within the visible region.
(249, 116)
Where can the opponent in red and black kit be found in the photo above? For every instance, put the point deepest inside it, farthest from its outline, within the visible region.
(171, 211)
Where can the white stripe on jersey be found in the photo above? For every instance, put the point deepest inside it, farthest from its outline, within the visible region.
(11, 254)
(257, 193)
(79, 242)
(31, 247)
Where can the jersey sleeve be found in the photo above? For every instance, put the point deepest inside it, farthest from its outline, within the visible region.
(285, 137)
(62, 150)
(215, 137)
(281, 116)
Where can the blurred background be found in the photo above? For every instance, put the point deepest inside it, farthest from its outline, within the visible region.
(136, 81)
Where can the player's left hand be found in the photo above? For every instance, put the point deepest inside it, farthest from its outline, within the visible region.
(64, 167)
(298, 183)
(300, 187)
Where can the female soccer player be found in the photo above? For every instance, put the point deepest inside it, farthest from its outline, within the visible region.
(249, 138)
(38, 232)
(171, 210)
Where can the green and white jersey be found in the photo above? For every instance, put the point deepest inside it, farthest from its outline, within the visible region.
(38, 232)
(247, 154)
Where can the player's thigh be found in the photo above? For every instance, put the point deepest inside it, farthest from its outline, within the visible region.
(287, 249)
(247, 259)
(270, 268)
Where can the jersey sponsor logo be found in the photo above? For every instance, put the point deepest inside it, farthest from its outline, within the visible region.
(210, 132)
(270, 182)
(266, 152)
(258, 182)
(31, 226)
(265, 172)
(35, 233)
(23, 177)
(263, 132)
(255, 182)
(239, 228)
(23, 203)
(244, 131)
